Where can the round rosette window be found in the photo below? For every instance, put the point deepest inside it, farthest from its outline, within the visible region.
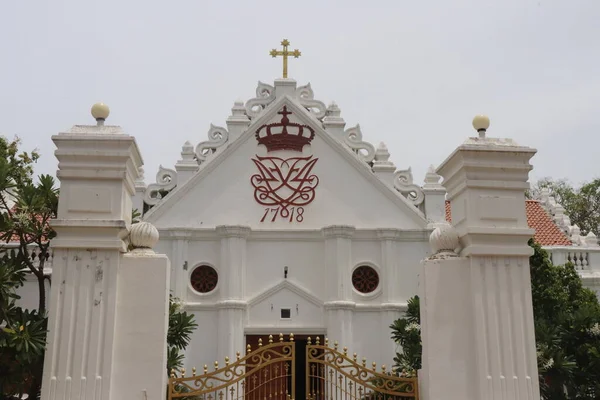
(365, 279)
(204, 279)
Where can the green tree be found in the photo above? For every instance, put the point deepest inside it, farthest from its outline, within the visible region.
(582, 204)
(567, 330)
(25, 210)
(567, 324)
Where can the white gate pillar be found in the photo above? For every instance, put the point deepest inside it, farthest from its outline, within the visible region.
(476, 313)
(97, 319)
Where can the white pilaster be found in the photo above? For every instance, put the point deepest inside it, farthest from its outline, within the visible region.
(338, 258)
(94, 214)
(179, 274)
(393, 304)
(340, 321)
(232, 292)
(339, 307)
(390, 262)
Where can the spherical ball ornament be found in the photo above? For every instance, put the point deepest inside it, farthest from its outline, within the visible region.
(444, 238)
(143, 235)
(481, 122)
(100, 111)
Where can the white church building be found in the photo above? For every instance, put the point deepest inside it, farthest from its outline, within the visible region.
(286, 221)
(266, 233)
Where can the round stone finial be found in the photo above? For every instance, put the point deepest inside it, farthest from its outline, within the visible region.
(143, 235)
(444, 239)
(481, 123)
(100, 111)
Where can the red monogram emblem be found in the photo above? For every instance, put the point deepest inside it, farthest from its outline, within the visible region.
(284, 185)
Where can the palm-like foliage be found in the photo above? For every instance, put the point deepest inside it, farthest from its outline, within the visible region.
(407, 333)
(181, 327)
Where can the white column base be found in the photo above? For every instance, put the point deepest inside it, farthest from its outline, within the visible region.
(81, 325)
(339, 325)
(231, 333)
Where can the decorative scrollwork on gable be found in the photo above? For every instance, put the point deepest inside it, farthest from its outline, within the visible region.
(353, 139)
(306, 97)
(166, 180)
(403, 182)
(217, 137)
(265, 94)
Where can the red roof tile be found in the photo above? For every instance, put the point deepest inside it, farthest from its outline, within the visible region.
(547, 233)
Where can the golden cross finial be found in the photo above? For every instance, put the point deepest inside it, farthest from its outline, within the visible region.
(285, 53)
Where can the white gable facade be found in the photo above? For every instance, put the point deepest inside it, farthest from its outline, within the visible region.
(287, 222)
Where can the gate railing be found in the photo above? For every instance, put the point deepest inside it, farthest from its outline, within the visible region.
(264, 373)
(333, 375)
(269, 373)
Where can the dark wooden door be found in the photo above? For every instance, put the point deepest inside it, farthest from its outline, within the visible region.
(274, 381)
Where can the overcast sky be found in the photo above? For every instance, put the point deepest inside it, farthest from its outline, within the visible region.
(412, 73)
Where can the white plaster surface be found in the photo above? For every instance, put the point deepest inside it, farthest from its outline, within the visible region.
(141, 326)
(447, 330)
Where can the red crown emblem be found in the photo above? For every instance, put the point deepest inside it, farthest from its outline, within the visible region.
(284, 135)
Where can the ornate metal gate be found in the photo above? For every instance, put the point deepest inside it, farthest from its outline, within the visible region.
(333, 375)
(263, 373)
(269, 373)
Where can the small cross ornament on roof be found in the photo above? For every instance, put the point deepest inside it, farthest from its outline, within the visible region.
(285, 53)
